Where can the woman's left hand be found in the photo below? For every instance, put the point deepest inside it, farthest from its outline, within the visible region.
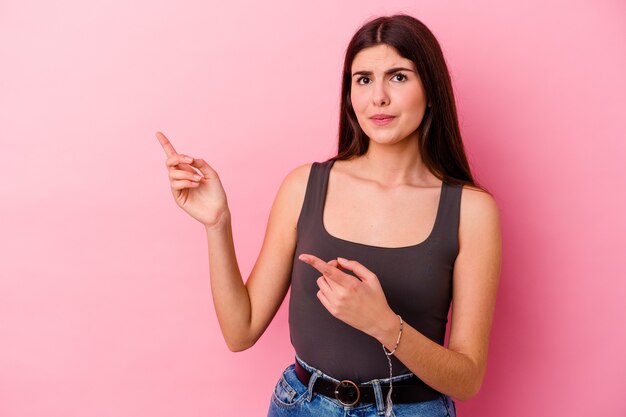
(360, 303)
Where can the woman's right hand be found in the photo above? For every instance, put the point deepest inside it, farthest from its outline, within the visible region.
(202, 196)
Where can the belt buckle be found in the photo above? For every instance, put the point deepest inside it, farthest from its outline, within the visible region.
(344, 390)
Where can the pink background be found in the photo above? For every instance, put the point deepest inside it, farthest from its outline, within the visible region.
(105, 305)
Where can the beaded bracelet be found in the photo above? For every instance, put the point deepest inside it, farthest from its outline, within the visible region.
(389, 405)
(397, 343)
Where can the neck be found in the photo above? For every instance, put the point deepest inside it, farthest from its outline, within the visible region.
(395, 165)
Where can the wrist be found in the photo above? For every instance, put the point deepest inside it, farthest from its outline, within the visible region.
(388, 329)
(223, 221)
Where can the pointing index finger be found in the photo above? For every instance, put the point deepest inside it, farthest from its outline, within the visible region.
(332, 270)
(315, 262)
(165, 143)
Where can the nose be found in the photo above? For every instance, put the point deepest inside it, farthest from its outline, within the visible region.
(380, 96)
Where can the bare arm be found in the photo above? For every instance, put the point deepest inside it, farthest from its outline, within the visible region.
(244, 311)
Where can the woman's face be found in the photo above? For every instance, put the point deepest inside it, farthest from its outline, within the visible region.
(379, 88)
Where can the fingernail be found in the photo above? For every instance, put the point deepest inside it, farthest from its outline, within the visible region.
(197, 177)
(342, 259)
(302, 257)
(188, 159)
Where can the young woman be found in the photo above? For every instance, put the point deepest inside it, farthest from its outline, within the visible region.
(376, 244)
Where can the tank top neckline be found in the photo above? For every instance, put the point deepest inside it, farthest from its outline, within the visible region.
(328, 166)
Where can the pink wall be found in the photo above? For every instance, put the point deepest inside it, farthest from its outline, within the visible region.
(105, 305)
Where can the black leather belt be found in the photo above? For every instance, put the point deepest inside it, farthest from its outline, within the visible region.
(349, 393)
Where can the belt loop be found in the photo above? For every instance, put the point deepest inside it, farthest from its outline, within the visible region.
(378, 394)
(312, 380)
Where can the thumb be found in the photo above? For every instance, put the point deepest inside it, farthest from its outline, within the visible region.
(354, 266)
(333, 262)
(205, 168)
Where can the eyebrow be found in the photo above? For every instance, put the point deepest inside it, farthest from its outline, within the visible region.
(389, 71)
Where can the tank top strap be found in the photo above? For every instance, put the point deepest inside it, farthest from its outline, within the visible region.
(314, 195)
(447, 227)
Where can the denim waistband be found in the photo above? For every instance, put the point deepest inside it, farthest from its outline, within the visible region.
(321, 374)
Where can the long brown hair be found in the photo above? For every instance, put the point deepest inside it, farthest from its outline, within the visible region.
(440, 142)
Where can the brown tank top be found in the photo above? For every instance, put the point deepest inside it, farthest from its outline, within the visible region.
(417, 281)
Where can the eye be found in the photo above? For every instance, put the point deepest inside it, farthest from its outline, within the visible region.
(401, 75)
(398, 74)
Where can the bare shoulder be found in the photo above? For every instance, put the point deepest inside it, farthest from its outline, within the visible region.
(293, 190)
(478, 208)
(298, 177)
(479, 217)
(295, 182)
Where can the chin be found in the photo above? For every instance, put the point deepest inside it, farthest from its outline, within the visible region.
(389, 136)
(384, 141)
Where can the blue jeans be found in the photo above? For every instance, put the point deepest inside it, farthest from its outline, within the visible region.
(293, 399)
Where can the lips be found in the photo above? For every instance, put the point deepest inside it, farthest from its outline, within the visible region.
(382, 117)
(382, 121)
